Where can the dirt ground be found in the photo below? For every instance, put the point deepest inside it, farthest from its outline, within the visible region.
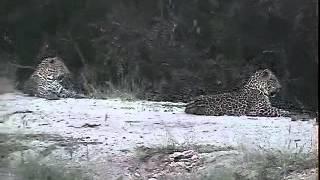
(114, 138)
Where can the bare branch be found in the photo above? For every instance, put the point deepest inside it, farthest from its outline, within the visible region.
(22, 66)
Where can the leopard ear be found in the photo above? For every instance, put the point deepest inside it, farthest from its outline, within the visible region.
(266, 73)
(51, 61)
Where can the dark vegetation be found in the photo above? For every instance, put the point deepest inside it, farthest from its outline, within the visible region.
(166, 49)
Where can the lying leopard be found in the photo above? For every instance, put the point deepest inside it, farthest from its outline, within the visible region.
(250, 100)
(51, 80)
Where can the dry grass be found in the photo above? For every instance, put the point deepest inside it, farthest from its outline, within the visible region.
(250, 163)
(274, 164)
(6, 85)
(257, 165)
(33, 170)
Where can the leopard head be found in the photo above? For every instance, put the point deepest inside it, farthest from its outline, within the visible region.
(264, 81)
(52, 68)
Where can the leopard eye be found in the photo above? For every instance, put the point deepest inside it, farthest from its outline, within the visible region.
(51, 61)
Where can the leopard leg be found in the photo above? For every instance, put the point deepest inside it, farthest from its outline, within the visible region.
(262, 107)
(67, 89)
(65, 93)
(276, 112)
(47, 94)
(58, 89)
(267, 111)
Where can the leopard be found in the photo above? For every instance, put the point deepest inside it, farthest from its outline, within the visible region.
(251, 99)
(51, 80)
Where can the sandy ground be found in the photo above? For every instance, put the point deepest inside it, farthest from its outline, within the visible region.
(97, 133)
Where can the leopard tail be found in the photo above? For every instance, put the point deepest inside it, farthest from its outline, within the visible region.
(196, 107)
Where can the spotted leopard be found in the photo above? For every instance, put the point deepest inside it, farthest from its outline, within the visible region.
(250, 100)
(51, 80)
